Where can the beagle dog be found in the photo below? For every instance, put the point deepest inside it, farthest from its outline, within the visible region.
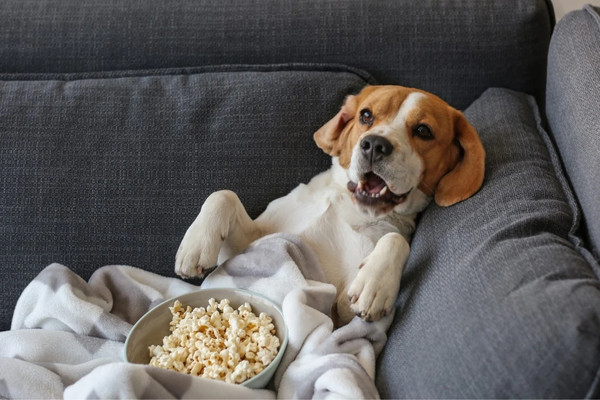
(393, 149)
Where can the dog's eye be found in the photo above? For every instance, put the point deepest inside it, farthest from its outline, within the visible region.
(423, 132)
(366, 117)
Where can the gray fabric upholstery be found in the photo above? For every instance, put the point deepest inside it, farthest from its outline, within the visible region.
(454, 49)
(573, 108)
(108, 170)
(498, 299)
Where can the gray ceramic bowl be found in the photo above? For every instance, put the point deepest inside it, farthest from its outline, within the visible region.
(154, 325)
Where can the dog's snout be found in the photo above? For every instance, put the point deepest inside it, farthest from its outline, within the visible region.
(375, 147)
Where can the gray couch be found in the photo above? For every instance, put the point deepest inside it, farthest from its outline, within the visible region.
(117, 119)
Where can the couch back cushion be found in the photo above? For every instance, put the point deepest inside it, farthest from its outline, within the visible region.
(453, 49)
(573, 108)
(111, 168)
(498, 298)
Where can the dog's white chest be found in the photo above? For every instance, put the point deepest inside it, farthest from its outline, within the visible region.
(323, 214)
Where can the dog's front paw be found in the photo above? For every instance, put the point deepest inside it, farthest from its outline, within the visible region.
(372, 294)
(197, 253)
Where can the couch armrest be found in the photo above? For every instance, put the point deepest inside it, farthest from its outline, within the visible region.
(573, 108)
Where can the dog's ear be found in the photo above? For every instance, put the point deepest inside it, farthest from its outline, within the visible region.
(327, 136)
(467, 176)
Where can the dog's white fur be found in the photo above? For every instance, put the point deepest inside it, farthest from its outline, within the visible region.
(362, 249)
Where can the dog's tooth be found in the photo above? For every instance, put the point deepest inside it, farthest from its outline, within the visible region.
(383, 191)
(361, 185)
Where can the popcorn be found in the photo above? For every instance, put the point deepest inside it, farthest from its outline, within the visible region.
(217, 342)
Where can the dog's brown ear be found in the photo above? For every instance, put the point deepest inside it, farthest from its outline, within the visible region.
(327, 136)
(467, 176)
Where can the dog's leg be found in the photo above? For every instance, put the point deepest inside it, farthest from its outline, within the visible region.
(222, 224)
(373, 291)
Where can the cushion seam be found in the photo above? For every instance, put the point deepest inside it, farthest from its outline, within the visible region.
(592, 11)
(551, 14)
(221, 68)
(594, 391)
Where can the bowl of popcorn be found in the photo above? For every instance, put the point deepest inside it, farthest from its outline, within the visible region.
(228, 334)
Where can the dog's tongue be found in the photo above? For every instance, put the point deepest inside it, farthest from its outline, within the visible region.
(373, 183)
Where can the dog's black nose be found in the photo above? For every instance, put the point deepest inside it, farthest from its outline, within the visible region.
(375, 147)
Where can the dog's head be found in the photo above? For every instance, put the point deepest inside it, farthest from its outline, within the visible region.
(397, 144)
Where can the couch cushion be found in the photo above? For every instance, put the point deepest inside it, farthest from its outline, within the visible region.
(454, 49)
(112, 168)
(573, 108)
(498, 299)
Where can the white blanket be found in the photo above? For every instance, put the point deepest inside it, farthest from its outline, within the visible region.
(67, 334)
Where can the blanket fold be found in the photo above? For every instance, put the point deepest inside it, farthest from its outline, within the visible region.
(67, 335)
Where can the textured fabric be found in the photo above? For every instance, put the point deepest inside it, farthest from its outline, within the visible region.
(109, 170)
(82, 326)
(497, 300)
(454, 49)
(573, 108)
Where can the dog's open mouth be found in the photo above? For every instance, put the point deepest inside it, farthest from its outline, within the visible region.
(373, 190)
